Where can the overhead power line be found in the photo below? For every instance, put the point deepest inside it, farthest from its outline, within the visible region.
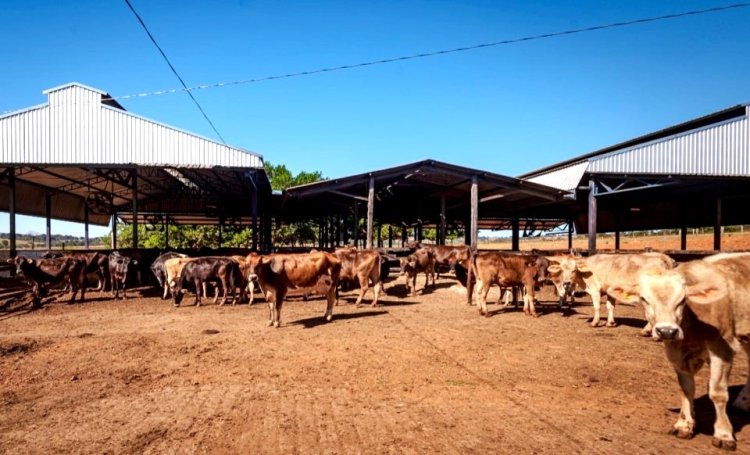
(184, 86)
(592, 28)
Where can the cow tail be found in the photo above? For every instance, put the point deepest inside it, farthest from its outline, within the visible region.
(470, 270)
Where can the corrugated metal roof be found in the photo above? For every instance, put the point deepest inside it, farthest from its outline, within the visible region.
(566, 178)
(77, 126)
(722, 149)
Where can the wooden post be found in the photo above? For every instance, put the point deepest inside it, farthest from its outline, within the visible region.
(135, 208)
(474, 211)
(390, 236)
(683, 238)
(515, 244)
(380, 235)
(12, 211)
(404, 235)
(370, 211)
(441, 229)
(86, 226)
(617, 239)
(114, 232)
(717, 226)
(220, 234)
(356, 224)
(254, 212)
(48, 216)
(592, 216)
(570, 235)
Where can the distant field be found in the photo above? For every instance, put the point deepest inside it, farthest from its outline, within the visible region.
(734, 241)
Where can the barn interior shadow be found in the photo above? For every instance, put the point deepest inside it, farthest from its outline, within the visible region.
(315, 321)
(705, 414)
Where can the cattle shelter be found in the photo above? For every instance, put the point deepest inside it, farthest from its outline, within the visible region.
(82, 157)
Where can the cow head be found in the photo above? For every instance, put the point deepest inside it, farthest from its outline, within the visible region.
(567, 271)
(408, 263)
(664, 294)
(20, 262)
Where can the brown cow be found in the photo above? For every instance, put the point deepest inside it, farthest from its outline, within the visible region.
(421, 261)
(449, 255)
(97, 263)
(597, 273)
(701, 310)
(362, 266)
(203, 269)
(507, 270)
(278, 273)
(52, 271)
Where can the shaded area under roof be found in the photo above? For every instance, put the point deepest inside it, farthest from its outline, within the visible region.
(413, 194)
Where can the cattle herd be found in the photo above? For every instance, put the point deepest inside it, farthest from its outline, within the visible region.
(700, 310)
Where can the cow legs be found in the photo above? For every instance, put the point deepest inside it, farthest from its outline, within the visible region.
(719, 394)
(529, 307)
(484, 289)
(225, 285)
(646, 330)
(364, 285)
(610, 311)
(596, 301)
(166, 290)
(331, 297)
(278, 302)
(198, 286)
(376, 292)
(743, 399)
(685, 423)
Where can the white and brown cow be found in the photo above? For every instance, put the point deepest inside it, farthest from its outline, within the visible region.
(701, 310)
(278, 273)
(159, 270)
(596, 274)
(362, 266)
(421, 261)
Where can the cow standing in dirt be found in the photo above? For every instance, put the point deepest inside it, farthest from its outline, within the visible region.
(447, 255)
(118, 272)
(40, 272)
(362, 266)
(160, 272)
(201, 270)
(701, 311)
(506, 270)
(597, 273)
(421, 261)
(278, 273)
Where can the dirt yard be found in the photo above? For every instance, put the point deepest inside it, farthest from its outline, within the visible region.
(416, 375)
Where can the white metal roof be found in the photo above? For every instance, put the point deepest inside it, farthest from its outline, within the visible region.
(78, 125)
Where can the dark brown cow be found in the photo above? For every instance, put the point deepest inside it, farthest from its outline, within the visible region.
(362, 266)
(159, 270)
(507, 270)
(118, 272)
(200, 270)
(278, 273)
(97, 263)
(449, 255)
(52, 271)
(421, 261)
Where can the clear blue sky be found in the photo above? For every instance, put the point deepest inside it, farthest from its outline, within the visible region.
(508, 109)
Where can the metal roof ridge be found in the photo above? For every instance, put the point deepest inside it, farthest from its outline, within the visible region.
(73, 84)
(23, 110)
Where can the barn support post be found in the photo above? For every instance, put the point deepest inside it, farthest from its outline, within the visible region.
(570, 235)
(254, 212)
(404, 235)
(135, 207)
(617, 239)
(380, 235)
(515, 243)
(390, 236)
(339, 231)
(717, 226)
(48, 220)
(12, 212)
(592, 216)
(441, 229)
(166, 232)
(114, 232)
(683, 238)
(467, 232)
(418, 232)
(370, 211)
(355, 230)
(474, 228)
(321, 233)
(86, 226)
(220, 234)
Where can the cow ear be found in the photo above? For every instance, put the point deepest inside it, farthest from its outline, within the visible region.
(706, 292)
(625, 293)
(554, 269)
(277, 265)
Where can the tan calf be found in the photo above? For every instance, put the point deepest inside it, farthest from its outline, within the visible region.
(701, 310)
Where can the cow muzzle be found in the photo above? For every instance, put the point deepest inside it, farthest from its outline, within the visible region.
(667, 333)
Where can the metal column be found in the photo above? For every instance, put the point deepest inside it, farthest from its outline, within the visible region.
(570, 235)
(717, 226)
(474, 211)
(592, 216)
(515, 244)
(135, 208)
(48, 216)
(356, 224)
(683, 238)
(370, 211)
(12, 210)
(86, 226)
(114, 232)
(441, 230)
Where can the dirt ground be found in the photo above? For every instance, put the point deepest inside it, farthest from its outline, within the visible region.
(416, 375)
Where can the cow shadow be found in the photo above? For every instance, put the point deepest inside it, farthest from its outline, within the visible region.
(705, 413)
(381, 303)
(635, 323)
(315, 321)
